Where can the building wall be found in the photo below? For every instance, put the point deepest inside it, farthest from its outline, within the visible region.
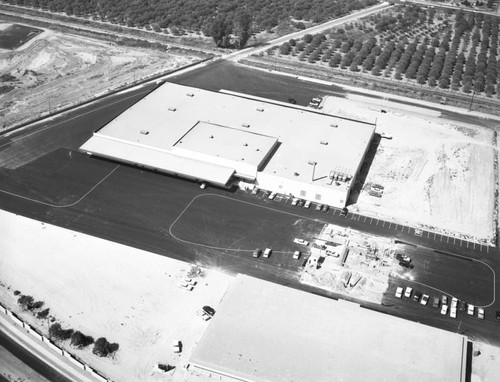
(336, 196)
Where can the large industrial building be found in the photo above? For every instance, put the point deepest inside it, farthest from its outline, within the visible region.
(223, 138)
(265, 332)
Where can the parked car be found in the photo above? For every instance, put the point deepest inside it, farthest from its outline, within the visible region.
(470, 309)
(300, 203)
(424, 300)
(255, 191)
(301, 241)
(203, 185)
(444, 309)
(296, 255)
(480, 313)
(266, 194)
(406, 264)
(416, 296)
(272, 195)
(497, 315)
(453, 312)
(307, 204)
(435, 302)
(444, 299)
(399, 292)
(295, 201)
(177, 346)
(462, 305)
(257, 252)
(319, 207)
(325, 208)
(267, 252)
(454, 302)
(209, 310)
(408, 292)
(402, 257)
(344, 211)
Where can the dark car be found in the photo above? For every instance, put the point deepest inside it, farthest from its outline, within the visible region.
(497, 315)
(462, 305)
(319, 207)
(402, 257)
(344, 212)
(325, 208)
(435, 302)
(406, 264)
(416, 296)
(209, 310)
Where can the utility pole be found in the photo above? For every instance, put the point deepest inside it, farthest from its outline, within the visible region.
(472, 100)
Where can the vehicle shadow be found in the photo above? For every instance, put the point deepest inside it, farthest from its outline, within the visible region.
(365, 168)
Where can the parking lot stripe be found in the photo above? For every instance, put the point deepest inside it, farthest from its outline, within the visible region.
(428, 233)
(403, 227)
(377, 221)
(383, 224)
(396, 227)
(441, 238)
(460, 242)
(390, 225)
(364, 221)
(467, 244)
(487, 249)
(434, 235)
(447, 239)
(371, 220)
(453, 240)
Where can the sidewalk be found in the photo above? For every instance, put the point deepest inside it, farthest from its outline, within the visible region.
(42, 351)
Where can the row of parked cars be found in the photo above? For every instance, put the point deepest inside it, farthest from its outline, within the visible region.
(448, 305)
(300, 202)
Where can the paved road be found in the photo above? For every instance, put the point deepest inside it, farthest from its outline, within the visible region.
(43, 178)
(141, 209)
(17, 362)
(236, 56)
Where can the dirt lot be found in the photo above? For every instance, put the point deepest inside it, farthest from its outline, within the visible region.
(435, 173)
(54, 70)
(104, 289)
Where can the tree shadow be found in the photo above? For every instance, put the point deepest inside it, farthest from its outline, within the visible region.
(363, 172)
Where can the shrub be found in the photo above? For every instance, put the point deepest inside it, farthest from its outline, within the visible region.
(57, 332)
(80, 340)
(103, 348)
(43, 314)
(25, 301)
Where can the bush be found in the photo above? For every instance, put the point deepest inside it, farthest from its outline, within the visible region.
(80, 340)
(103, 348)
(58, 333)
(25, 301)
(43, 314)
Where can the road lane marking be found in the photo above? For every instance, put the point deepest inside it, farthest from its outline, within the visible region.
(65, 205)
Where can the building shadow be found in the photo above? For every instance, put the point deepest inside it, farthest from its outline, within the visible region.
(363, 172)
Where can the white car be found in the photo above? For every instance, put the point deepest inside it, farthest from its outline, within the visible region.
(301, 242)
(267, 252)
(203, 185)
(399, 292)
(408, 292)
(480, 313)
(454, 302)
(444, 309)
(424, 300)
(453, 312)
(272, 195)
(307, 204)
(296, 255)
(295, 201)
(470, 310)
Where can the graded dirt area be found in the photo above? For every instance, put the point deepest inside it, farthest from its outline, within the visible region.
(55, 70)
(104, 289)
(435, 173)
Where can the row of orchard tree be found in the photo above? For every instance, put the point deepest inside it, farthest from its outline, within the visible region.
(464, 57)
(229, 22)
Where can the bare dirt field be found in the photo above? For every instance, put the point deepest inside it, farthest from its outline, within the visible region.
(435, 173)
(104, 289)
(55, 70)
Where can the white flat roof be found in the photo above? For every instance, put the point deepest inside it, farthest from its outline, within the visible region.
(266, 332)
(167, 114)
(228, 143)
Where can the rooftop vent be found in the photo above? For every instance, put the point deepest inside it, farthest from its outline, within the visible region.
(311, 162)
(245, 124)
(211, 137)
(144, 132)
(323, 142)
(172, 109)
(245, 144)
(260, 109)
(190, 94)
(296, 174)
(334, 125)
